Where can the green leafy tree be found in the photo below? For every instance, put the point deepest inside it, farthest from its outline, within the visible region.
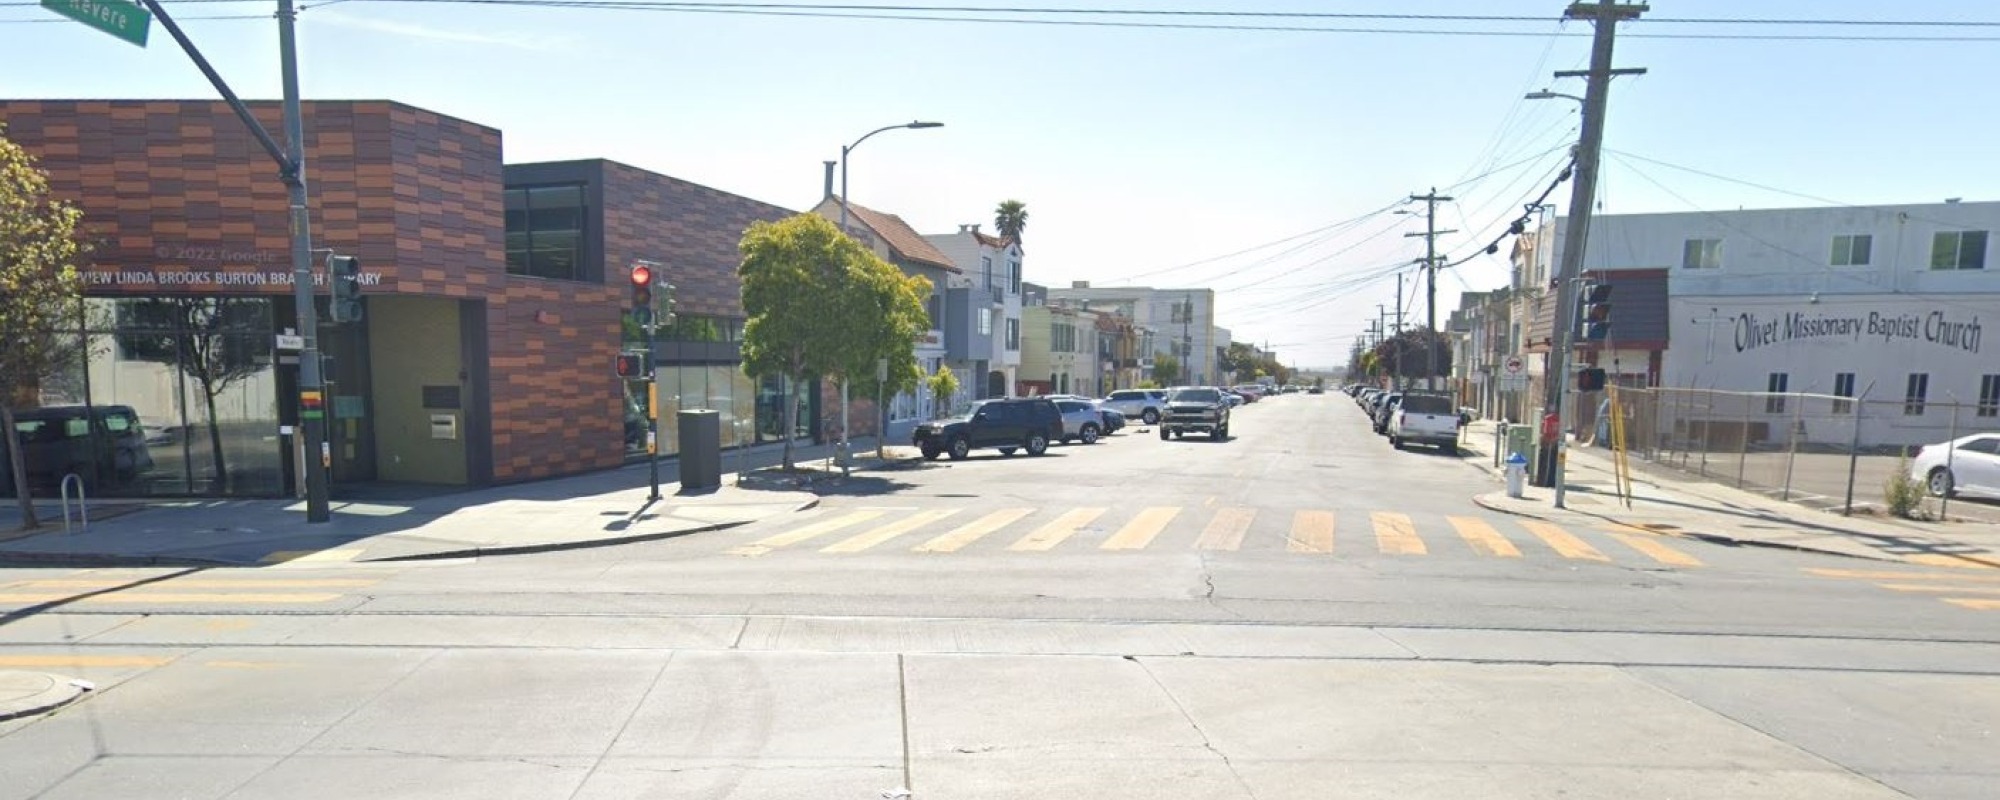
(40, 288)
(1010, 218)
(1403, 355)
(821, 304)
(215, 341)
(1166, 370)
(943, 385)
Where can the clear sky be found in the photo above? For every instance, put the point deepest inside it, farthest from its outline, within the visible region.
(1140, 151)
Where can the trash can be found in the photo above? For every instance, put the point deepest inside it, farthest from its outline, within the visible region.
(1517, 474)
(701, 449)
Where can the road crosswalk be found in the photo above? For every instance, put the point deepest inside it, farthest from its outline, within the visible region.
(95, 588)
(1975, 589)
(1028, 530)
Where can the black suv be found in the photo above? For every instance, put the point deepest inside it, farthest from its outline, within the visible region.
(101, 445)
(1006, 425)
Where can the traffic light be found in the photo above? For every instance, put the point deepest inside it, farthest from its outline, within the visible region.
(344, 273)
(1596, 312)
(629, 366)
(642, 293)
(667, 315)
(1590, 380)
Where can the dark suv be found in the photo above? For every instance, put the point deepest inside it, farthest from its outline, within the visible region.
(102, 445)
(1028, 423)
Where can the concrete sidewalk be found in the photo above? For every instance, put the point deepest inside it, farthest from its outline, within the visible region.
(598, 509)
(1698, 509)
(25, 693)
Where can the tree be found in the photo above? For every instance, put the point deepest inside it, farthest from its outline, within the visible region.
(215, 341)
(40, 289)
(821, 304)
(943, 385)
(1402, 356)
(1166, 369)
(1010, 218)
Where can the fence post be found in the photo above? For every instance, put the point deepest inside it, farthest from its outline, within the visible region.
(1858, 408)
(1792, 457)
(1743, 442)
(1707, 431)
(1944, 503)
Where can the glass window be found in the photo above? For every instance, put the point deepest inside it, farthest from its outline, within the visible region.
(986, 270)
(1988, 446)
(1013, 334)
(1852, 250)
(1843, 386)
(1916, 391)
(1775, 384)
(1701, 254)
(545, 231)
(1958, 250)
(986, 322)
(1989, 395)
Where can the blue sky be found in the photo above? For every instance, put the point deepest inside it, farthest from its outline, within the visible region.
(1139, 151)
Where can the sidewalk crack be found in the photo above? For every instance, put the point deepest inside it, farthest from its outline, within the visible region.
(1206, 743)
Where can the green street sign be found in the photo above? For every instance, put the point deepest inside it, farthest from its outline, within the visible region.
(124, 20)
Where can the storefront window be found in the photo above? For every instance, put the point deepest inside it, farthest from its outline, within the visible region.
(750, 411)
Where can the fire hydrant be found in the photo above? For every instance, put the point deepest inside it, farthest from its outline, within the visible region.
(1517, 474)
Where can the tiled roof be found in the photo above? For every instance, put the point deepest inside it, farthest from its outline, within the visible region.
(995, 242)
(901, 237)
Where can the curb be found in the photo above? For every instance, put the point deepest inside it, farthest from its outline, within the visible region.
(1711, 538)
(586, 544)
(17, 558)
(58, 692)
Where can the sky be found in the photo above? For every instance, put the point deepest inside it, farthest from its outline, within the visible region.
(1265, 164)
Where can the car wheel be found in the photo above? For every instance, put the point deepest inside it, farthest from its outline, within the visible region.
(1939, 482)
(931, 451)
(1449, 449)
(1150, 416)
(1164, 435)
(1396, 443)
(1179, 434)
(1222, 432)
(1037, 444)
(1090, 434)
(960, 448)
(1006, 451)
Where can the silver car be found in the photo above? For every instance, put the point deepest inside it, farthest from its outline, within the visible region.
(1140, 404)
(1081, 421)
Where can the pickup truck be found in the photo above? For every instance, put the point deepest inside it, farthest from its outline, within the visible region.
(1427, 419)
(1196, 410)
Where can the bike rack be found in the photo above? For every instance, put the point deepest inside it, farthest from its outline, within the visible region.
(82, 508)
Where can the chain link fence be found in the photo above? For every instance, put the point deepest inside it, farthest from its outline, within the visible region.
(1824, 451)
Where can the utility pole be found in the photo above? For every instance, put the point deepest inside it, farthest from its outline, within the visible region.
(1430, 235)
(1395, 343)
(1604, 15)
(1187, 338)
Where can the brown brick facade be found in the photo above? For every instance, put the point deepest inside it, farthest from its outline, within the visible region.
(179, 197)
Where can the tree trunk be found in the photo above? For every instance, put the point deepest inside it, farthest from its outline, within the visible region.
(18, 465)
(208, 391)
(787, 406)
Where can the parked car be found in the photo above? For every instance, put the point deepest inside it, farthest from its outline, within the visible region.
(99, 444)
(1233, 399)
(1141, 404)
(1198, 409)
(1384, 408)
(1024, 423)
(1251, 392)
(1081, 421)
(1426, 419)
(1966, 465)
(1113, 421)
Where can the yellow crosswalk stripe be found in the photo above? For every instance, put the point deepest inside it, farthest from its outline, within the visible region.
(71, 660)
(309, 556)
(1226, 529)
(142, 598)
(1976, 604)
(1956, 561)
(1312, 532)
(971, 531)
(201, 583)
(1655, 549)
(1565, 544)
(1395, 535)
(1896, 575)
(1140, 531)
(1484, 539)
(1933, 588)
(863, 541)
(1057, 530)
(800, 534)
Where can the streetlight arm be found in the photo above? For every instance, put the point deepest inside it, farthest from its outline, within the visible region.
(1546, 95)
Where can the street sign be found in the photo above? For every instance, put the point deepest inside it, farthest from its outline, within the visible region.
(1514, 383)
(1514, 365)
(116, 17)
(288, 341)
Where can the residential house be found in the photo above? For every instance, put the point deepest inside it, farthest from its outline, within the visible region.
(899, 244)
(1183, 321)
(1052, 339)
(992, 277)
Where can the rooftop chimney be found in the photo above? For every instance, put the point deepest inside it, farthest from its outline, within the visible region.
(829, 179)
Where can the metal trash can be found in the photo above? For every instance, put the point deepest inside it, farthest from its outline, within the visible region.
(701, 449)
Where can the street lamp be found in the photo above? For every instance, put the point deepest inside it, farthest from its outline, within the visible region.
(1548, 95)
(882, 413)
(1557, 379)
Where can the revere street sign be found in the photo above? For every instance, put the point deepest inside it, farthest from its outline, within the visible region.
(116, 17)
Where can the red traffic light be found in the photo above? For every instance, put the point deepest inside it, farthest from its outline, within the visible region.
(629, 365)
(642, 275)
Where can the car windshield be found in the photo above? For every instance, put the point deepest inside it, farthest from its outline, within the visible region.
(1196, 396)
(1427, 404)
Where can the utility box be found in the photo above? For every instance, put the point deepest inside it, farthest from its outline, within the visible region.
(1521, 441)
(701, 449)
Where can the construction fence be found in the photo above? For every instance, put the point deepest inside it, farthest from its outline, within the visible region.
(1820, 450)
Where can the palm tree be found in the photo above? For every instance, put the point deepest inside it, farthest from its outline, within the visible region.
(1010, 217)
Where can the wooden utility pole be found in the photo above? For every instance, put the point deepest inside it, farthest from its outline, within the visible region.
(1430, 263)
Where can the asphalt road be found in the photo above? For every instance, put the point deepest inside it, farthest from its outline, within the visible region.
(1300, 612)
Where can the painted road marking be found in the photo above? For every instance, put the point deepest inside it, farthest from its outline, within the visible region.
(70, 660)
(1312, 532)
(800, 534)
(1226, 529)
(1483, 538)
(1562, 542)
(1976, 604)
(1057, 530)
(205, 583)
(140, 598)
(1961, 561)
(971, 532)
(1892, 575)
(1140, 531)
(863, 541)
(1936, 589)
(1654, 549)
(1394, 535)
(309, 556)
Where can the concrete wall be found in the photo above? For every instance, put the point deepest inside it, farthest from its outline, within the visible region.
(405, 449)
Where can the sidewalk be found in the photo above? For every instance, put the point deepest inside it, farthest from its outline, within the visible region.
(594, 510)
(1697, 509)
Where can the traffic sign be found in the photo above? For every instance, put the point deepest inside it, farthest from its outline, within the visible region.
(116, 17)
(1514, 365)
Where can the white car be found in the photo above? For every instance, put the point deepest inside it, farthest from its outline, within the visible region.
(1081, 420)
(1966, 465)
(1140, 404)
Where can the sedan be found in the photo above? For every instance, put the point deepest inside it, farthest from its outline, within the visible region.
(1966, 465)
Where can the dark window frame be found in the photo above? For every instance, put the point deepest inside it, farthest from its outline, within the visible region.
(1963, 257)
(1916, 393)
(1858, 249)
(1775, 386)
(1843, 386)
(1989, 396)
(534, 259)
